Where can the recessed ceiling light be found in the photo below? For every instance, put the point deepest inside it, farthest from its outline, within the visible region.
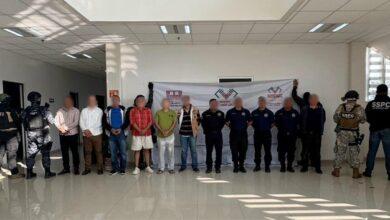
(13, 32)
(318, 26)
(70, 55)
(341, 26)
(87, 56)
(187, 29)
(164, 29)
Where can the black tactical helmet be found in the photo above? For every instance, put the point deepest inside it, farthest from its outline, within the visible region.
(34, 97)
(351, 95)
(4, 98)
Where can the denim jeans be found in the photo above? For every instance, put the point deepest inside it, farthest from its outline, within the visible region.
(188, 142)
(375, 138)
(118, 146)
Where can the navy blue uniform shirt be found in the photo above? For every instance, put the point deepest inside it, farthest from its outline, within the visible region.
(287, 122)
(212, 122)
(262, 119)
(238, 119)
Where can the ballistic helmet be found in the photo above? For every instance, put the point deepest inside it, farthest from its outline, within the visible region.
(351, 95)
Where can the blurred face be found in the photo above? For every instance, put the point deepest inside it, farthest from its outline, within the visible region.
(313, 100)
(115, 101)
(288, 103)
(214, 105)
(68, 102)
(166, 104)
(92, 102)
(238, 103)
(141, 102)
(186, 100)
(262, 103)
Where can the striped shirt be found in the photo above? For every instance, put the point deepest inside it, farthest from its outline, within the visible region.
(186, 126)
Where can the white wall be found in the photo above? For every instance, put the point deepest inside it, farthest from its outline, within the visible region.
(322, 69)
(51, 81)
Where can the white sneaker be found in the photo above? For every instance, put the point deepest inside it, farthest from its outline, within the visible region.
(149, 170)
(136, 171)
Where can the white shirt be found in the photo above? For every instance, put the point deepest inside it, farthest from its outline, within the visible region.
(91, 119)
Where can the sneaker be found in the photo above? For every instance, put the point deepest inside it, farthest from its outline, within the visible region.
(235, 169)
(63, 172)
(113, 172)
(136, 171)
(160, 171)
(195, 170)
(122, 172)
(242, 169)
(149, 170)
(86, 172)
(217, 170)
(171, 171)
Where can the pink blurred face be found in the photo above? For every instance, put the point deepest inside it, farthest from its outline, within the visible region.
(141, 102)
(313, 100)
(288, 103)
(92, 102)
(68, 102)
(116, 101)
(214, 104)
(166, 104)
(186, 101)
(262, 103)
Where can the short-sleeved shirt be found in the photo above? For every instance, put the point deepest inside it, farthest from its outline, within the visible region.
(262, 120)
(116, 118)
(142, 117)
(238, 119)
(165, 120)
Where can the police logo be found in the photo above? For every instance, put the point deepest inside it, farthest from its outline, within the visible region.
(243, 114)
(219, 114)
(293, 115)
(266, 115)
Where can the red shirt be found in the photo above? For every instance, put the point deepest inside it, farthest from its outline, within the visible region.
(142, 118)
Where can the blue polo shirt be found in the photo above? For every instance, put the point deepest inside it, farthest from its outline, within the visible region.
(238, 119)
(116, 118)
(262, 120)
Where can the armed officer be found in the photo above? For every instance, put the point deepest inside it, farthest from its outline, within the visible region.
(9, 121)
(348, 116)
(213, 121)
(36, 120)
(238, 119)
(263, 120)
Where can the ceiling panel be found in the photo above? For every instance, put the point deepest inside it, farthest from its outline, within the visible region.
(178, 38)
(266, 28)
(344, 16)
(297, 28)
(313, 36)
(259, 37)
(205, 37)
(232, 37)
(150, 37)
(324, 5)
(306, 17)
(145, 28)
(286, 36)
(236, 28)
(114, 28)
(206, 28)
(356, 5)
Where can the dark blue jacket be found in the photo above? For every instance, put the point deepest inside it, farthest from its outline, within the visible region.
(306, 123)
(262, 120)
(238, 119)
(287, 122)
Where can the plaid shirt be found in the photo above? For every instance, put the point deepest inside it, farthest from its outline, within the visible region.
(142, 118)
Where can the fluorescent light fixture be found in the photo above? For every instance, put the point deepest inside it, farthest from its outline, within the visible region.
(260, 200)
(341, 26)
(318, 26)
(382, 216)
(87, 56)
(187, 29)
(310, 200)
(13, 32)
(286, 195)
(365, 210)
(325, 217)
(214, 181)
(321, 211)
(70, 55)
(236, 196)
(269, 206)
(164, 29)
(35, 31)
(335, 205)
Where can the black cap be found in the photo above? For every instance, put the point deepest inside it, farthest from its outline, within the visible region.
(381, 89)
(351, 95)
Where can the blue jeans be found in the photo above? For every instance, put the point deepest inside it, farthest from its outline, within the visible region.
(375, 138)
(118, 145)
(188, 142)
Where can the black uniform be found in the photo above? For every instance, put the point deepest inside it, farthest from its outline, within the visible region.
(287, 123)
(238, 137)
(262, 124)
(212, 124)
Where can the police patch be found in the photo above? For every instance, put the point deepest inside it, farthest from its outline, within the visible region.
(219, 114)
(243, 114)
(266, 115)
(293, 115)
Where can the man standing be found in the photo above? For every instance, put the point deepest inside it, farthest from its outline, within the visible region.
(348, 116)
(165, 121)
(91, 126)
(378, 116)
(9, 121)
(238, 119)
(115, 125)
(263, 120)
(67, 122)
(287, 122)
(141, 120)
(189, 119)
(36, 120)
(213, 121)
(312, 127)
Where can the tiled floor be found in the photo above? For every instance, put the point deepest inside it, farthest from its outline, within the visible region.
(191, 195)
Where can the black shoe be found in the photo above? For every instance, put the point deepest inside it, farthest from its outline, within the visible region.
(290, 169)
(209, 170)
(64, 172)
(182, 169)
(113, 172)
(300, 162)
(242, 169)
(217, 170)
(388, 177)
(30, 174)
(318, 170)
(366, 174)
(196, 170)
(304, 169)
(267, 169)
(76, 171)
(122, 172)
(49, 174)
(235, 169)
(86, 172)
(256, 169)
(283, 169)
(100, 172)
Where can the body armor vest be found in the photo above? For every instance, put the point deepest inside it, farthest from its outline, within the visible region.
(36, 119)
(6, 121)
(349, 119)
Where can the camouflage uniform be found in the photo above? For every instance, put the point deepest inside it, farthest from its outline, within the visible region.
(348, 117)
(11, 147)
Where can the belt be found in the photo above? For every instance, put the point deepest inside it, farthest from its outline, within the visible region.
(8, 129)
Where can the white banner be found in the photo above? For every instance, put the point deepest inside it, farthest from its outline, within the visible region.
(200, 93)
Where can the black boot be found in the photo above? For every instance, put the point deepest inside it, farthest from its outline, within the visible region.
(283, 168)
(49, 174)
(267, 169)
(257, 168)
(290, 168)
(30, 174)
(235, 169)
(242, 169)
(304, 169)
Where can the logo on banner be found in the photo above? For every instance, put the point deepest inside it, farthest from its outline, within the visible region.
(275, 96)
(226, 95)
(175, 97)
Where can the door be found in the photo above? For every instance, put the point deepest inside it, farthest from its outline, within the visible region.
(101, 101)
(16, 91)
(75, 97)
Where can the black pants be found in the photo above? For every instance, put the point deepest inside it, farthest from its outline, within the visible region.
(238, 146)
(260, 139)
(311, 148)
(214, 140)
(70, 143)
(286, 146)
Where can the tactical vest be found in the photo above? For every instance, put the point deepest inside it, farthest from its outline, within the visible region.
(6, 121)
(349, 119)
(36, 120)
